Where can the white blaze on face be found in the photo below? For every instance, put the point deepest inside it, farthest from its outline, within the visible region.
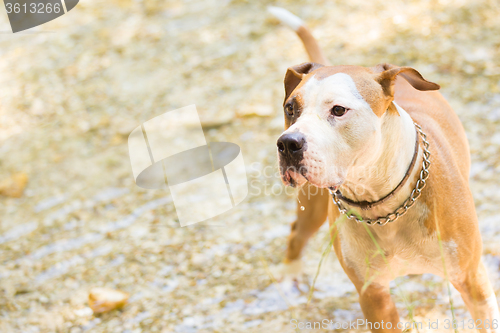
(334, 144)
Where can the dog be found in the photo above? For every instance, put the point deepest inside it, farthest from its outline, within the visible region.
(381, 148)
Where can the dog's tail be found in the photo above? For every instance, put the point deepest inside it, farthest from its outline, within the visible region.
(296, 24)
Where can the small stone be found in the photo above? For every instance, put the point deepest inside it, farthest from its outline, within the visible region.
(256, 110)
(14, 185)
(106, 299)
(85, 312)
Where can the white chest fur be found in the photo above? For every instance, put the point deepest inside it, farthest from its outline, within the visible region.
(407, 248)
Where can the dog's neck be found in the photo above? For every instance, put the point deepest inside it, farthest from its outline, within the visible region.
(374, 177)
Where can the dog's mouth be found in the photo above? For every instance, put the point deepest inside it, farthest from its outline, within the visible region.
(297, 177)
(294, 178)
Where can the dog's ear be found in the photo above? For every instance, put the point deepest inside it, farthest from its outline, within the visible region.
(295, 74)
(387, 77)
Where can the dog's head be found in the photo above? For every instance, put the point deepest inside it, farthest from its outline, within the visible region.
(333, 118)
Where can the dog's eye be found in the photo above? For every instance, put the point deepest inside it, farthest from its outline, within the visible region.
(338, 111)
(289, 109)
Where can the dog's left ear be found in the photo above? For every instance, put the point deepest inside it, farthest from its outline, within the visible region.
(295, 74)
(387, 77)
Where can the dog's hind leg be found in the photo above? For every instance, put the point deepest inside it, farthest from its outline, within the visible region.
(480, 299)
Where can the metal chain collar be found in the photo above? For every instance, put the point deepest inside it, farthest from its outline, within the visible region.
(415, 193)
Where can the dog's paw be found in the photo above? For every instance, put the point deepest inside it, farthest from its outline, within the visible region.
(291, 270)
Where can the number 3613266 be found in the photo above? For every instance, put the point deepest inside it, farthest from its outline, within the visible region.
(33, 8)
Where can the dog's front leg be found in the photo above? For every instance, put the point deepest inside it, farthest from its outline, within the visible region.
(380, 311)
(375, 300)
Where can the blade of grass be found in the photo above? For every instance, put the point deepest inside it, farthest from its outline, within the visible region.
(368, 282)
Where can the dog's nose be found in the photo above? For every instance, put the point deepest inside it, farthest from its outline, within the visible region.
(291, 143)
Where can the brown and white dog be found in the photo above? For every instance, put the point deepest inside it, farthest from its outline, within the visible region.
(352, 128)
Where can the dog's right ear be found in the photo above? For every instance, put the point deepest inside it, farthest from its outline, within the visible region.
(295, 74)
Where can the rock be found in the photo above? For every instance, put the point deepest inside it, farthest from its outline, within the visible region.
(106, 299)
(14, 185)
(256, 110)
(215, 122)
